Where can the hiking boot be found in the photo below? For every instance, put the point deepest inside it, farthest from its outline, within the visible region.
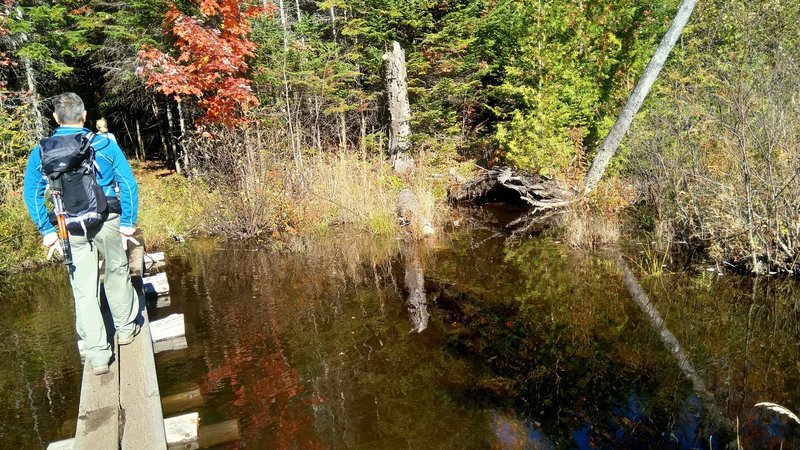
(128, 339)
(100, 370)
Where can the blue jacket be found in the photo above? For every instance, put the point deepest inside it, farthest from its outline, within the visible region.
(113, 167)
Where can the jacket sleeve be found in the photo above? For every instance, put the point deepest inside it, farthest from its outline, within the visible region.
(128, 189)
(34, 187)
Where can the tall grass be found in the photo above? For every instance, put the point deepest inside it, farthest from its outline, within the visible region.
(172, 207)
(596, 220)
(347, 189)
(267, 191)
(20, 243)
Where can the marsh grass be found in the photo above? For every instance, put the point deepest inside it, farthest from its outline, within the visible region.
(346, 189)
(20, 243)
(362, 193)
(652, 262)
(596, 220)
(172, 207)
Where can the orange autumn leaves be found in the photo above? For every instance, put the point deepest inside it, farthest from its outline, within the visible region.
(212, 50)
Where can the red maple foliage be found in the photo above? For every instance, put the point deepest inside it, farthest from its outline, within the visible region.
(212, 49)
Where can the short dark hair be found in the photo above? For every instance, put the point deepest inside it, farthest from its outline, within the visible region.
(68, 108)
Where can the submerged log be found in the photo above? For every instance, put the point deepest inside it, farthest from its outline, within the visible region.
(544, 196)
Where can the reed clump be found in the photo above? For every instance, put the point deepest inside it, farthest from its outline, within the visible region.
(596, 220)
(346, 189)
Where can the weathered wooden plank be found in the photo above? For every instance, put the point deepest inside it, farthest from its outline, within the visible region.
(98, 413)
(208, 436)
(178, 343)
(156, 284)
(66, 444)
(181, 402)
(169, 327)
(218, 433)
(139, 397)
(182, 429)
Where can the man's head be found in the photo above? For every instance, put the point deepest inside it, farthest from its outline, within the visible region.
(102, 125)
(68, 109)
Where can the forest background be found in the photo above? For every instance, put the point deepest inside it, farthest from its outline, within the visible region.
(273, 115)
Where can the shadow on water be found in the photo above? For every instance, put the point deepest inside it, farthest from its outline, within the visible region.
(468, 342)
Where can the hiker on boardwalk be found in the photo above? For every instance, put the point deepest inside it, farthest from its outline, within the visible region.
(104, 224)
(102, 129)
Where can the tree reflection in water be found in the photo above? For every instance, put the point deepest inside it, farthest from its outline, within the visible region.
(528, 344)
(415, 285)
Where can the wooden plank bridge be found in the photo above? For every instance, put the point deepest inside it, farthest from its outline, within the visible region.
(122, 409)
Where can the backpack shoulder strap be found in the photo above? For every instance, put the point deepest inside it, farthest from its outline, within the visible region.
(87, 145)
(90, 137)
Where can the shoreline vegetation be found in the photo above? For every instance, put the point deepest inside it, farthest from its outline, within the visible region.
(331, 191)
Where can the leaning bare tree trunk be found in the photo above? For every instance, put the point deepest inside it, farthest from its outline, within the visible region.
(399, 108)
(623, 123)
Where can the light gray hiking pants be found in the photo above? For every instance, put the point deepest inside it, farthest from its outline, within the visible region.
(85, 280)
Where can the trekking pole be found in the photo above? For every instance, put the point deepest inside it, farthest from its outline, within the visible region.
(58, 210)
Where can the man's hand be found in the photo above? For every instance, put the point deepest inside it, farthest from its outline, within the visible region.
(50, 240)
(127, 235)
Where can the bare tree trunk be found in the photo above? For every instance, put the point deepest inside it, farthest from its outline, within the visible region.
(342, 131)
(34, 98)
(317, 127)
(165, 146)
(182, 138)
(33, 93)
(635, 100)
(288, 107)
(139, 141)
(284, 24)
(172, 144)
(363, 142)
(298, 157)
(333, 23)
(399, 108)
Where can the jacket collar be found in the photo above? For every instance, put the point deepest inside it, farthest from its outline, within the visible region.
(61, 131)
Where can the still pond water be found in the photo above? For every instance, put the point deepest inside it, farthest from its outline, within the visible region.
(469, 342)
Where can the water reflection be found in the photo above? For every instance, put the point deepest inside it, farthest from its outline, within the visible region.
(41, 367)
(415, 284)
(525, 345)
(673, 346)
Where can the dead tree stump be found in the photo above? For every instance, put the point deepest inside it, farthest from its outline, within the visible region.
(544, 196)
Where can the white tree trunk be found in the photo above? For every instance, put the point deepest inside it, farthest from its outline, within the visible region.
(399, 109)
(172, 144)
(342, 131)
(284, 24)
(139, 141)
(30, 78)
(635, 100)
(182, 138)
